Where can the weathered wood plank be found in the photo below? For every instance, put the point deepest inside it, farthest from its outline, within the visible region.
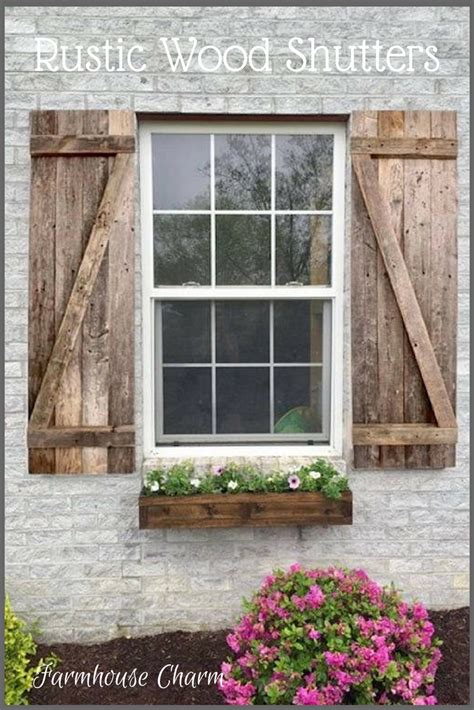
(405, 147)
(444, 282)
(95, 330)
(114, 195)
(69, 250)
(121, 270)
(83, 436)
(364, 306)
(391, 334)
(406, 299)
(403, 435)
(417, 254)
(41, 327)
(73, 144)
(244, 510)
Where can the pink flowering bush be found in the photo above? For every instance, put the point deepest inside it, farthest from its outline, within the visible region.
(330, 637)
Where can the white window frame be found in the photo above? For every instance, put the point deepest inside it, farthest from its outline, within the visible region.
(150, 293)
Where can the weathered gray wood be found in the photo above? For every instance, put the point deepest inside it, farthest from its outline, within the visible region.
(364, 316)
(69, 383)
(403, 435)
(120, 303)
(403, 289)
(82, 436)
(41, 335)
(111, 202)
(404, 147)
(96, 326)
(73, 144)
(444, 280)
(69, 251)
(417, 254)
(391, 333)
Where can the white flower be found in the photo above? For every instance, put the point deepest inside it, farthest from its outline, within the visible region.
(315, 475)
(232, 485)
(195, 482)
(293, 470)
(154, 486)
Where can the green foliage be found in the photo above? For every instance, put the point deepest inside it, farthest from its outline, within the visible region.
(181, 479)
(20, 649)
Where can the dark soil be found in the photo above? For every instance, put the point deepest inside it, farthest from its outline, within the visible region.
(452, 678)
(204, 652)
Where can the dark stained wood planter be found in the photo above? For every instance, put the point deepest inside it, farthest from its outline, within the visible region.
(227, 510)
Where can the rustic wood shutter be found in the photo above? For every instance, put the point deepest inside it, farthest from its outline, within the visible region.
(404, 288)
(81, 292)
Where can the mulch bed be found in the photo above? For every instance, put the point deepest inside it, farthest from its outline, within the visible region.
(204, 651)
(452, 678)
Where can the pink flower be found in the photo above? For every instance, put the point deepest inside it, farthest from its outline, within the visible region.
(237, 693)
(343, 678)
(269, 580)
(332, 695)
(425, 700)
(217, 470)
(226, 668)
(293, 482)
(314, 597)
(233, 642)
(419, 612)
(308, 696)
(335, 659)
(299, 602)
(313, 634)
(295, 567)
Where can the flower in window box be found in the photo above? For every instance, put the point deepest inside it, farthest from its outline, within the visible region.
(217, 470)
(232, 485)
(195, 482)
(314, 475)
(154, 486)
(293, 482)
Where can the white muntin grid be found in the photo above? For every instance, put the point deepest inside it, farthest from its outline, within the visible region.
(270, 365)
(243, 444)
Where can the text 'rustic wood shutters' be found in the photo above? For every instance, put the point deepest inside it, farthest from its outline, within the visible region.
(81, 292)
(404, 288)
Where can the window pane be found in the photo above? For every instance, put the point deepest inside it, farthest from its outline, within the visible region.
(187, 400)
(242, 331)
(303, 249)
(181, 172)
(304, 172)
(298, 331)
(242, 172)
(181, 249)
(242, 400)
(298, 398)
(186, 331)
(242, 249)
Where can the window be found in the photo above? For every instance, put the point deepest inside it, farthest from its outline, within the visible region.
(242, 234)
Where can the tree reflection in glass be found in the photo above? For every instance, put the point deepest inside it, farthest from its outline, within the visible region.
(181, 249)
(243, 172)
(304, 172)
(242, 250)
(303, 249)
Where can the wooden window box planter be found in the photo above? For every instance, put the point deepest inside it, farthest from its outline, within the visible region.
(226, 510)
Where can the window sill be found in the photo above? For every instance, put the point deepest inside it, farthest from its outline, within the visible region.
(242, 451)
(226, 510)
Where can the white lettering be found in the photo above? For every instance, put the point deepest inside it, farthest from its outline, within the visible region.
(40, 41)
